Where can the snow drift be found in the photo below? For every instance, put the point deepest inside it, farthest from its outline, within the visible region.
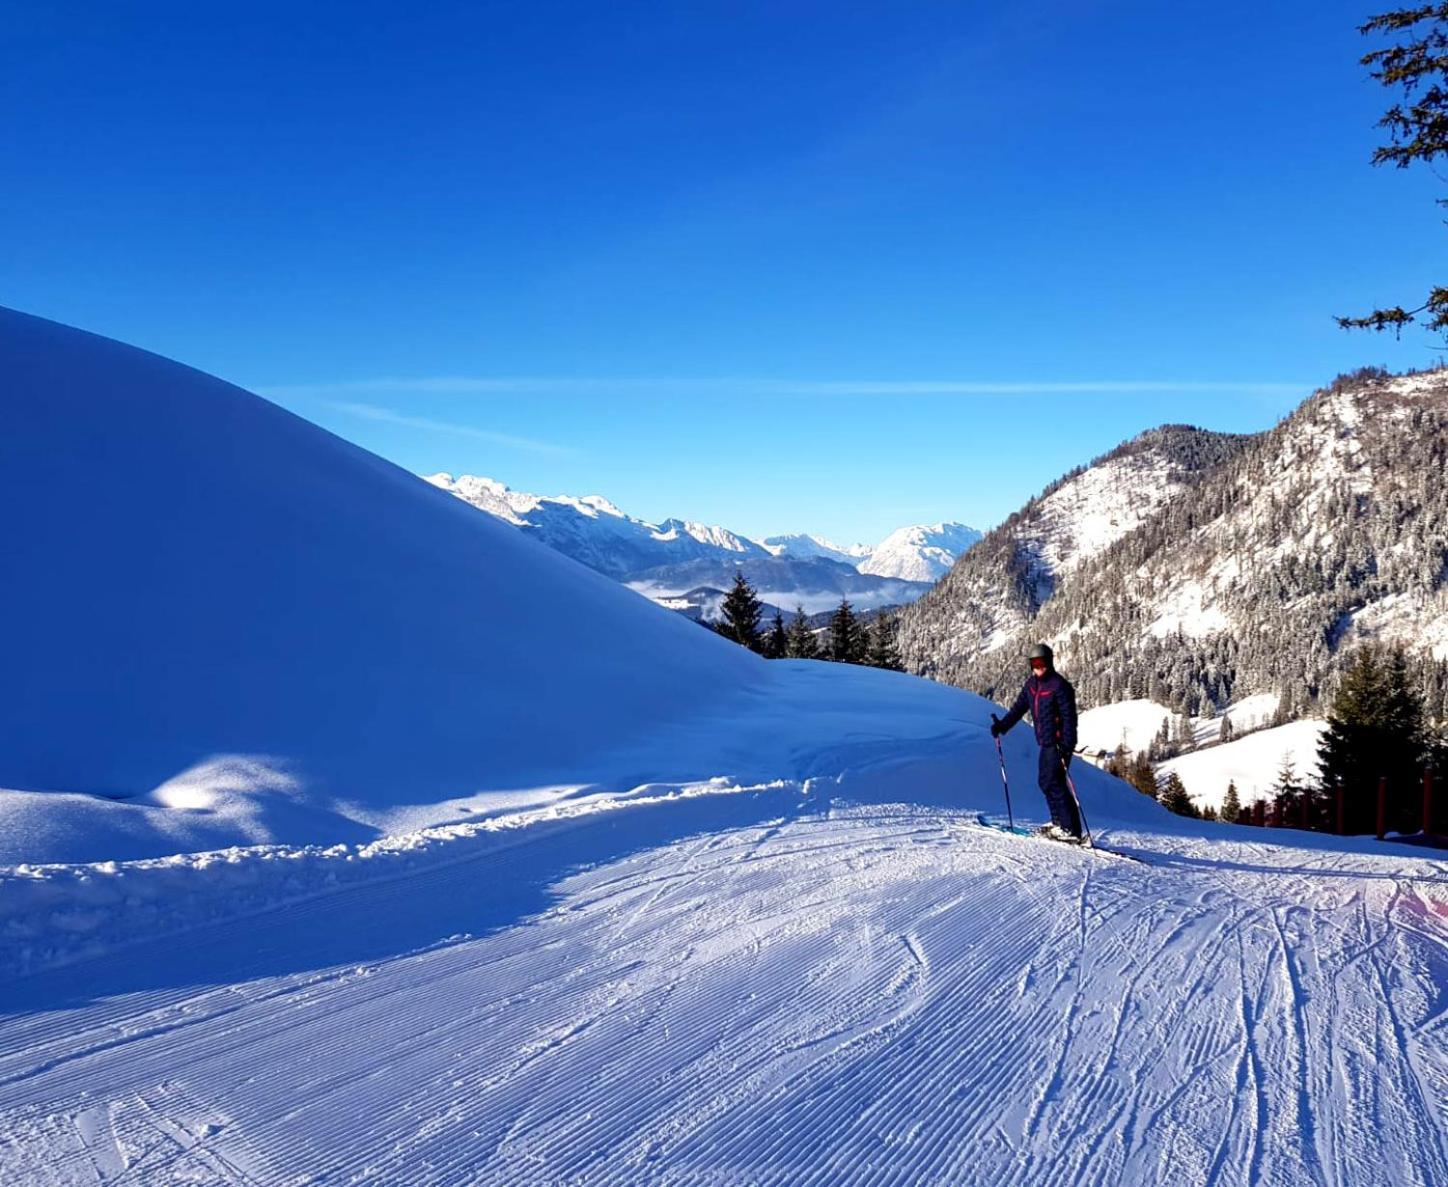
(203, 583)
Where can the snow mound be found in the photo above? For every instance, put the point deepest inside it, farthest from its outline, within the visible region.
(227, 591)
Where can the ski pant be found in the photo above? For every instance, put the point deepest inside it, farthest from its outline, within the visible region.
(1058, 796)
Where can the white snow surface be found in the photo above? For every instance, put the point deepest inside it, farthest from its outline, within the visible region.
(1132, 724)
(1252, 761)
(787, 985)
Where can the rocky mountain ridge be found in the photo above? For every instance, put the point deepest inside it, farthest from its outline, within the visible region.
(1220, 566)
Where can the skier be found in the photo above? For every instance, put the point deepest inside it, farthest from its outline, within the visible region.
(1052, 702)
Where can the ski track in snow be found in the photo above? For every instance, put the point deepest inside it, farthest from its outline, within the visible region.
(870, 995)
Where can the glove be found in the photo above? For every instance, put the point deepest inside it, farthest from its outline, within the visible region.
(995, 726)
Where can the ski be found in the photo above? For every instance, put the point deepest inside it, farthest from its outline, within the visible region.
(1017, 831)
(1001, 826)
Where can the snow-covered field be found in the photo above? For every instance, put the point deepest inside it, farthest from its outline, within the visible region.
(1252, 762)
(769, 988)
(1134, 724)
(359, 839)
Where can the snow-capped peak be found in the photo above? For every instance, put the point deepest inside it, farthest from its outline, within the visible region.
(591, 529)
(924, 552)
(488, 495)
(802, 546)
(592, 505)
(715, 537)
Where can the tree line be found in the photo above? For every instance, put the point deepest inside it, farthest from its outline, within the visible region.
(1378, 732)
(847, 639)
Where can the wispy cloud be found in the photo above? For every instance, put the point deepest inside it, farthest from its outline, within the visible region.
(389, 416)
(1027, 387)
(654, 385)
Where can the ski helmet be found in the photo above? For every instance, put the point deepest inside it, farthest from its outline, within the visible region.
(1041, 651)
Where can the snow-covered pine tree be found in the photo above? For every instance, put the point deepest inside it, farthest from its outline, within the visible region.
(847, 643)
(776, 640)
(802, 643)
(1161, 747)
(1182, 737)
(741, 611)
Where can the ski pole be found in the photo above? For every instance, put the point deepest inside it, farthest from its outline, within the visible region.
(1066, 770)
(1005, 782)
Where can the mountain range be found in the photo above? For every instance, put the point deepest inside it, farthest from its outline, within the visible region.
(685, 564)
(1196, 567)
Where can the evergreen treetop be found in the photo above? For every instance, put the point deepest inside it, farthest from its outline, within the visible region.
(883, 653)
(1174, 796)
(776, 641)
(847, 643)
(1231, 804)
(741, 611)
(802, 643)
(1375, 730)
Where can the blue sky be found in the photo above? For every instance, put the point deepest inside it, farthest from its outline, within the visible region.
(782, 266)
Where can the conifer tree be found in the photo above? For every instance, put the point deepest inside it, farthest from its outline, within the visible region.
(776, 641)
(1228, 732)
(847, 643)
(883, 653)
(741, 611)
(1141, 775)
(1232, 804)
(1374, 730)
(1182, 733)
(802, 643)
(1286, 784)
(1417, 128)
(1286, 789)
(1174, 796)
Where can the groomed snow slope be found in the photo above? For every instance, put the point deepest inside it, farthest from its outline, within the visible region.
(773, 989)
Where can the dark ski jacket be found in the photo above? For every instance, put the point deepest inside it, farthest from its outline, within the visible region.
(1052, 703)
